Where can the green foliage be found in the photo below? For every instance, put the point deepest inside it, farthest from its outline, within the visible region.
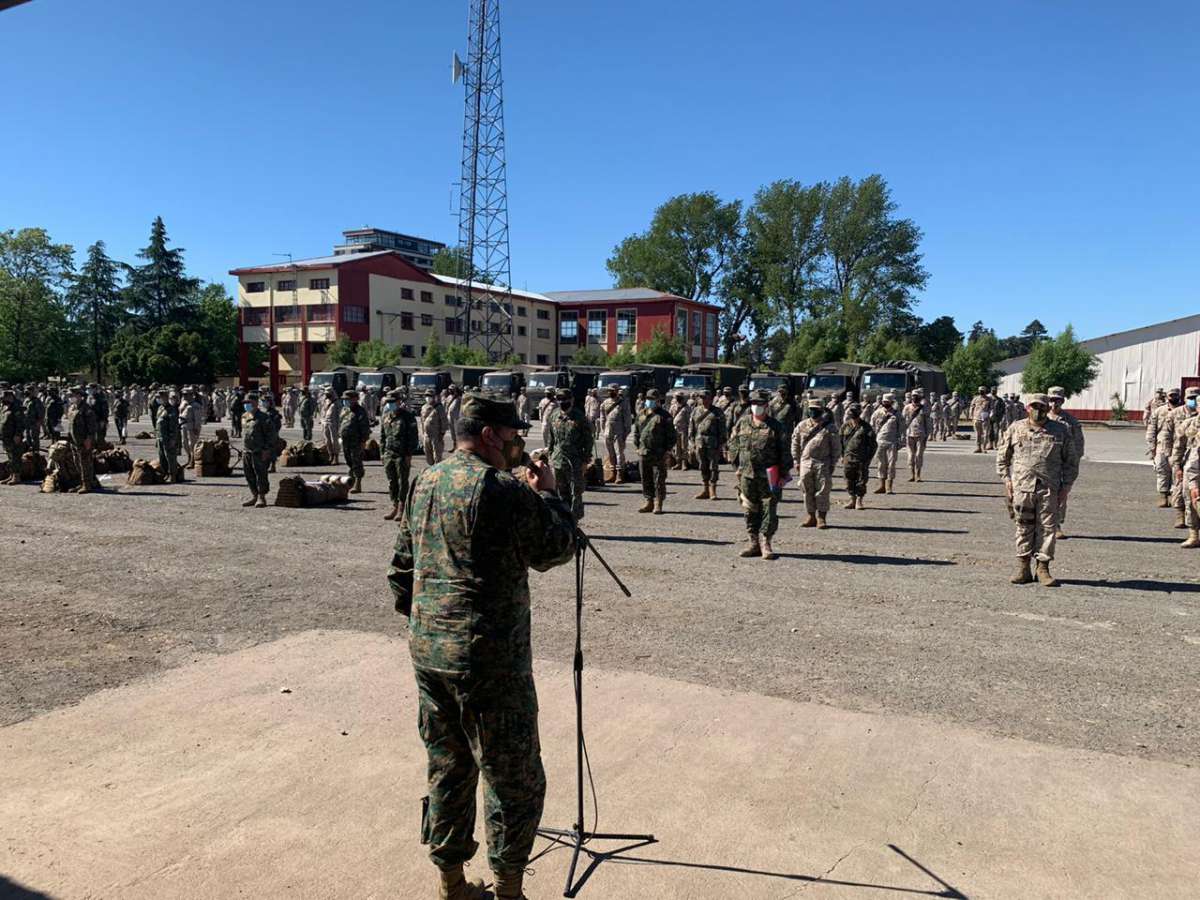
(453, 263)
(626, 355)
(169, 355)
(590, 356)
(663, 349)
(936, 340)
(160, 291)
(882, 346)
(1119, 411)
(36, 335)
(343, 351)
(374, 354)
(462, 355)
(973, 364)
(787, 243)
(96, 305)
(217, 319)
(817, 341)
(434, 354)
(1023, 343)
(1061, 362)
(513, 359)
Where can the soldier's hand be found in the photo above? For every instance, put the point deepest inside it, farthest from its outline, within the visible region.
(539, 474)
(1008, 488)
(1195, 492)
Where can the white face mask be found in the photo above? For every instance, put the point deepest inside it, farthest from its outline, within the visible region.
(759, 410)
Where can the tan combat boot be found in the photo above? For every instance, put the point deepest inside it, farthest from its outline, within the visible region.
(912, 474)
(1193, 539)
(253, 499)
(508, 887)
(882, 489)
(752, 548)
(453, 885)
(1180, 521)
(1164, 499)
(82, 489)
(712, 491)
(658, 507)
(851, 503)
(1024, 575)
(357, 489)
(1045, 579)
(809, 522)
(703, 495)
(765, 546)
(891, 486)
(648, 506)
(918, 474)
(1059, 534)
(395, 512)
(821, 523)
(861, 505)
(620, 476)
(262, 501)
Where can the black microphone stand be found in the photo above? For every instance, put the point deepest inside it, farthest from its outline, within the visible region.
(577, 837)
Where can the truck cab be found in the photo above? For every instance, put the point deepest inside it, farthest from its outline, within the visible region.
(503, 383)
(830, 379)
(770, 382)
(424, 380)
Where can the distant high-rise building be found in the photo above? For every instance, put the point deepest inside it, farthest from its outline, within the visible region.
(418, 251)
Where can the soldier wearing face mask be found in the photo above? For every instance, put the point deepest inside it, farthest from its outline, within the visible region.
(168, 437)
(1159, 445)
(12, 432)
(1039, 462)
(399, 439)
(81, 432)
(1057, 397)
(816, 447)
(654, 437)
(569, 442)
(258, 442)
(356, 431)
(308, 410)
(1186, 458)
(756, 449)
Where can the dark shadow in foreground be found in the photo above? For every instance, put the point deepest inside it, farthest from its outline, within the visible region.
(1133, 539)
(10, 890)
(918, 509)
(1136, 584)
(896, 529)
(658, 539)
(864, 559)
(945, 889)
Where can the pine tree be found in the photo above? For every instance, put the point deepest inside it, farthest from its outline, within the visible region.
(160, 292)
(96, 304)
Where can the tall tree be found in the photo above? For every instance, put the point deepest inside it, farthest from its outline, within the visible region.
(453, 263)
(218, 321)
(35, 335)
(874, 260)
(97, 305)
(936, 340)
(973, 364)
(1062, 362)
(160, 291)
(343, 351)
(784, 230)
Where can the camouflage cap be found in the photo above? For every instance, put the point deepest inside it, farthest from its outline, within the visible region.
(854, 408)
(653, 394)
(395, 394)
(1038, 400)
(888, 398)
(250, 395)
(1173, 392)
(815, 403)
(349, 395)
(1056, 392)
(1192, 392)
(761, 396)
(493, 411)
(563, 394)
(743, 388)
(614, 387)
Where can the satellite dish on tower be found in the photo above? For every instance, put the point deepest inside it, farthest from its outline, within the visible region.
(457, 68)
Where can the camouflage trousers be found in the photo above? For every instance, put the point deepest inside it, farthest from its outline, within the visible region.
(710, 463)
(916, 452)
(857, 473)
(397, 469)
(87, 471)
(168, 461)
(480, 725)
(433, 449)
(886, 457)
(1036, 514)
(353, 451)
(760, 505)
(981, 435)
(12, 453)
(306, 428)
(1163, 474)
(653, 470)
(571, 483)
(256, 469)
(817, 480)
(614, 449)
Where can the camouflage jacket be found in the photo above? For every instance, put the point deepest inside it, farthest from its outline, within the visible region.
(917, 422)
(166, 429)
(756, 446)
(121, 409)
(786, 413)
(101, 407)
(434, 422)
(1190, 462)
(35, 411)
(356, 426)
(1172, 429)
(815, 442)
(1076, 429)
(654, 433)
(886, 425)
(81, 424)
(1184, 439)
(54, 410)
(469, 535)
(1158, 435)
(398, 436)
(981, 408)
(308, 406)
(568, 437)
(1028, 454)
(12, 422)
(615, 418)
(858, 441)
(734, 413)
(258, 431)
(706, 428)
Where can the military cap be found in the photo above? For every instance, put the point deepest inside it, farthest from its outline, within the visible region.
(854, 408)
(563, 394)
(493, 411)
(1160, 390)
(1173, 392)
(761, 396)
(395, 394)
(349, 395)
(917, 392)
(815, 403)
(653, 394)
(743, 388)
(251, 395)
(1192, 392)
(888, 398)
(728, 389)
(1056, 392)
(1038, 400)
(707, 392)
(162, 392)
(614, 387)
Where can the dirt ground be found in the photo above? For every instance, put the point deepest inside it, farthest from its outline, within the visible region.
(904, 607)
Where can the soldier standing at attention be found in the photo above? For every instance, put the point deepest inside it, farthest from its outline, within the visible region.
(681, 414)
(99, 401)
(981, 416)
(267, 403)
(191, 415)
(259, 444)
(307, 408)
(1038, 461)
(755, 447)
(81, 431)
(783, 409)
(816, 447)
(615, 422)
(167, 432)
(1182, 453)
(1057, 396)
(460, 572)
(434, 426)
(569, 442)
(35, 419)
(1159, 398)
(290, 402)
(331, 419)
(121, 416)
(12, 432)
(654, 437)
(858, 446)
(236, 399)
(1170, 432)
(356, 431)
(918, 427)
(706, 437)
(1158, 447)
(453, 412)
(886, 425)
(522, 405)
(54, 414)
(398, 441)
(737, 408)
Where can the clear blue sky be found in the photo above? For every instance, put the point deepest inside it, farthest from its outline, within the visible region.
(1049, 151)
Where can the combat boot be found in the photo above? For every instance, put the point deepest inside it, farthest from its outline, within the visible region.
(453, 885)
(712, 491)
(918, 474)
(882, 489)
(508, 887)
(395, 512)
(1164, 499)
(648, 506)
(752, 548)
(703, 495)
(1193, 540)
(821, 523)
(262, 501)
(1045, 579)
(852, 504)
(357, 489)
(1059, 534)
(1024, 575)
(809, 522)
(658, 507)
(253, 499)
(912, 474)
(1180, 521)
(765, 545)
(610, 475)
(620, 478)
(82, 489)
(861, 505)
(891, 486)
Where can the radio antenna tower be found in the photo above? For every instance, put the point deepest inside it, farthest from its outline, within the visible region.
(484, 267)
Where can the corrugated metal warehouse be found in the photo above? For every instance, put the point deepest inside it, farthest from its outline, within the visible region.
(1132, 364)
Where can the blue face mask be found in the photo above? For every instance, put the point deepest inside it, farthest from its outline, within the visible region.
(1191, 402)
(649, 404)
(346, 404)
(390, 407)
(249, 407)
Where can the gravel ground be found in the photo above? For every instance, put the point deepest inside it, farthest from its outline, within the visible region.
(904, 607)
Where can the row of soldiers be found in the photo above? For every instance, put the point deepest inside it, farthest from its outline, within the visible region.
(1173, 443)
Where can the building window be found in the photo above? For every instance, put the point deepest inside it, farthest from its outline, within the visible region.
(543, 314)
(285, 315)
(696, 327)
(710, 329)
(543, 359)
(406, 351)
(406, 321)
(568, 328)
(522, 331)
(318, 284)
(286, 285)
(681, 324)
(406, 293)
(426, 296)
(318, 347)
(426, 320)
(255, 287)
(566, 360)
(522, 312)
(544, 333)
(454, 326)
(322, 312)
(523, 357)
(254, 315)
(597, 325)
(288, 349)
(474, 324)
(626, 326)
(354, 315)
(451, 300)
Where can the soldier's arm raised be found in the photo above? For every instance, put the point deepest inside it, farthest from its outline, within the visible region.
(542, 523)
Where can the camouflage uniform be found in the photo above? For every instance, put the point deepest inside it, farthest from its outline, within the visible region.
(816, 447)
(81, 431)
(1158, 446)
(706, 436)
(783, 410)
(1187, 451)
(35, 418)
(681, 414)
(467, 539)
(615, 423)
(121, 417)
(754, 447)
(654, 437)
(398, 441)
(981, 417)
(886, 425)
(434, 425)
(101, 410)
(12, 433)
(858, 446)
(258, 441)
(917, 430)
(354, 433)
(307, 410)
(570, 444)
(166, 430)
(1041, 462)
(54, 416)
(1076, 430)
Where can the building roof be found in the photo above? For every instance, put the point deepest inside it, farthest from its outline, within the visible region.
(1117, 339)
(479, 286)
(618, 295)
(318, 262)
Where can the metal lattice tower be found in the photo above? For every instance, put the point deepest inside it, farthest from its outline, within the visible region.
(483, 203)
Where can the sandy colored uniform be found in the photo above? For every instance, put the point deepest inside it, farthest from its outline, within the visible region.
(816, 448)
(1041, 462)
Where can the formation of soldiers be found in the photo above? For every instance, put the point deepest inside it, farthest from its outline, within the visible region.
(1173, 444)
